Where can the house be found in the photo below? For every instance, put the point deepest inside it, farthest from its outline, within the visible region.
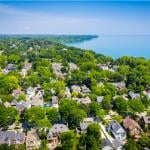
(1, 52)
(120, 85)
(85, 89)
(32, 140)
(9, 68)
(99, 99)
(17, 92)
(57, 69)
(106, 145)
(54, 102)
(22, 106)
(26, 67)
(37, 100)
(117, 144)
(53, 136)
(67, 93)
(145, 121)
(133, 95)
(132, 127)
(147, 93)
(15, 126)
(85, 123)
(84, 100)
(73, 66)
(12, 137)
(75, 88)
(103, 66)
(106, 67)
(6, 104)
(124, 96)
(30, 93)
(117, 131)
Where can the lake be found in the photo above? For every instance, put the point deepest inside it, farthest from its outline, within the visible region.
(118, 45)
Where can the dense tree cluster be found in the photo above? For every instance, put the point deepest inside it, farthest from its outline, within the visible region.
(97, 72)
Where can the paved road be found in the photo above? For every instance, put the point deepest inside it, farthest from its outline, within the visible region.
(105, 133)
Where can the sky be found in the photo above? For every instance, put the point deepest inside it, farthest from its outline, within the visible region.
(75, 17)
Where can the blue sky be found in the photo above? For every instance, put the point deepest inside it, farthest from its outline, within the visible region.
(80, 17)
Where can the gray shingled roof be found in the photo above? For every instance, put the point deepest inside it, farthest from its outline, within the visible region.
(6, 136)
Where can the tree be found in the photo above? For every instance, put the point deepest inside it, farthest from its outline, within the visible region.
(7, 116)
(2, 61)
(82, 142)
(71, 113)
(145, 101)
(37, 117)
(68, 141)
(131, 145)
(120, 104)
(96, 110)
(44, 145)
(8, 83)
(7, 147)
(106, 103)
(144, 142)
(22, 97)
(52, 115)
(14, 59)
(136, 106)
(93, 137)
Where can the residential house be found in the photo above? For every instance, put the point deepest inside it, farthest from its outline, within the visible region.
(54, 102)
(15, 126)
(64, 49)
(145, 121)
(30, 93)
(111, 145)
(132, 127)
(12, 137)
(53, 136)
(73, 66)
(1, 52)
(106, 67)
(22, 106)
(9, 68)
(37, 100)
(85, 89)
(6, 104)
(32, 140)
(26, 67)
(67, 93)
(133, 95)
(57, 69)
(85, 123)
(117, 131)
(17, 92)
(99, 99)
(85, 100)
(117, 144)
(124, 96)
(120, 85)
(75, 88)
(147, 93)
(103, 66)
(106, 145)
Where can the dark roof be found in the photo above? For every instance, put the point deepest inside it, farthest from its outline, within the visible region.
(115, 126)
(106, 142)
(116, 143)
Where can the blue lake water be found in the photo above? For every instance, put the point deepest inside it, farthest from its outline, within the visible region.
(118, 45)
